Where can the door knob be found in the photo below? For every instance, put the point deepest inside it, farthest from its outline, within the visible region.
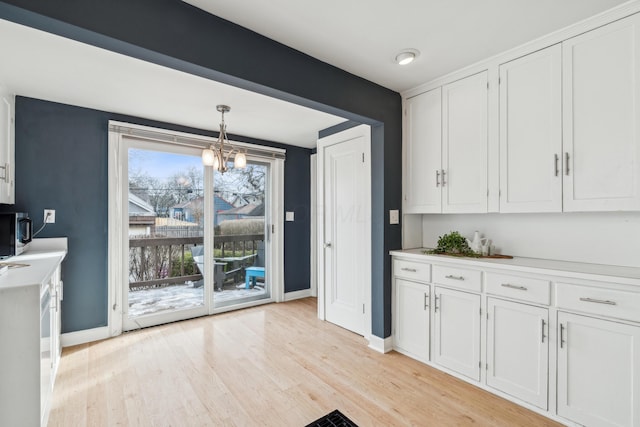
(327, 245)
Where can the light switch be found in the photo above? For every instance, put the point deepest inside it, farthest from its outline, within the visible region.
(394, 216)
(289, 216)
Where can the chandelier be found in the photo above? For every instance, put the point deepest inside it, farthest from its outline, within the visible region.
(218, 154)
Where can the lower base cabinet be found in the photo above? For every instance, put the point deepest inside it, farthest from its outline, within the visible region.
(598, 375)
(411, 320)
(457, 331)
(518, 350)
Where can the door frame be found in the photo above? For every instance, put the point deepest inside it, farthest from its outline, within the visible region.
(323, 143)
(117, 232)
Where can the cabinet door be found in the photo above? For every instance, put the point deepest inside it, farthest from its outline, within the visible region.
(518, 350)
(423, 127)
(598, 371)
(601, 110)
(457, 331)
(531, 132)
(411, 318)
(7, 193)
(464, 109)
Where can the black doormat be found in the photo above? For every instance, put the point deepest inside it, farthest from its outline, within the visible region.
(333, 419)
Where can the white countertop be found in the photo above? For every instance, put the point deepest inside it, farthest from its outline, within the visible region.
(42, 259)
(624, 275)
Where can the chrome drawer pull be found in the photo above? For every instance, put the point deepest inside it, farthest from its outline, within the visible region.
(412, 270)
(510, 286)
(599, 301)
(451, 276)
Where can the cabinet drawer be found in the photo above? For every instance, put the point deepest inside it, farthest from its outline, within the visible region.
(521, 288)
(600, 301)
(468, 280)
(412, 270)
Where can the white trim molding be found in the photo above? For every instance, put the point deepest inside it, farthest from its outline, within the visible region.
(304, 293)
(381, 345)
(84, 336)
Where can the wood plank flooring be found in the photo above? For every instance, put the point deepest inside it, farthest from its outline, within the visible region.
(272, 365)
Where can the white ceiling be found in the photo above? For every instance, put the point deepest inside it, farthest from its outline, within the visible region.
(359, 36)
(44, 66)
(364, 36)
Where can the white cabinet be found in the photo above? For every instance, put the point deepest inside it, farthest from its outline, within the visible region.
(531, 132)
(411, 318)
(518, 350)
(446, 148)
(464, 149)
(55, 286)
(423, 152)
(29, 332)
(457, 331)
(601, 119)
(7, 144)
(598, 371)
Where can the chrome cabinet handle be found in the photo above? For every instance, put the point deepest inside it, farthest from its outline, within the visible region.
(5, 177)
(327, 245)
(435, 308)
(562, 342)
(442, 173)
(542, 330)
(599, 301)
(557, 158)
(437, 178)
(566, 163)
(510, 286)
(412, 270)
(451, 276)
(426, 298)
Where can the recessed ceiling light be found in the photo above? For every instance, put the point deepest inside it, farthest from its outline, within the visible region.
(407, 56)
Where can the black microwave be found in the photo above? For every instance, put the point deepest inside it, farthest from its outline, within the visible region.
(15, 233)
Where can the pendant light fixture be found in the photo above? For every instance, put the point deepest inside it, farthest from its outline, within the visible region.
(217, 155)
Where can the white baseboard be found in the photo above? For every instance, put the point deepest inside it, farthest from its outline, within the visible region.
(82, 337)
(381, 345)
(289, 296)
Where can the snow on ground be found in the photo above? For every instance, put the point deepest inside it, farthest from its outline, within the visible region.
(148, 301)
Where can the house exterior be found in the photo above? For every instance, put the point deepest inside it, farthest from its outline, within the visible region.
(192, 210)
(250, 210)
(142, 217)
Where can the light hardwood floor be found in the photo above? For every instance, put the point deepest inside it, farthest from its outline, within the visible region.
(272, 365)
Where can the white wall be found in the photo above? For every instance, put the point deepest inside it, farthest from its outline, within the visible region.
(599, 238)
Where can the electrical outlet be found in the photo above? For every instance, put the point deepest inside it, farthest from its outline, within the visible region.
(49, 216)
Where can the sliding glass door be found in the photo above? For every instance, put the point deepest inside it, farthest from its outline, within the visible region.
(167, 209)
(195, 241)
(241, 242)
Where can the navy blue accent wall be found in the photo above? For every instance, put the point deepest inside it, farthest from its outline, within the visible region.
(337, 128)
(177, 35)
(61, 163)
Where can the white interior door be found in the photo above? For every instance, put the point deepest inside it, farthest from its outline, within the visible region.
(345, 230)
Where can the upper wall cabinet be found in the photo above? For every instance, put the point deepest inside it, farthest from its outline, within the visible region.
(446, 148)
(601, 118)
(423, 152)
(7, 106)
(531, 132)
(464, 145)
